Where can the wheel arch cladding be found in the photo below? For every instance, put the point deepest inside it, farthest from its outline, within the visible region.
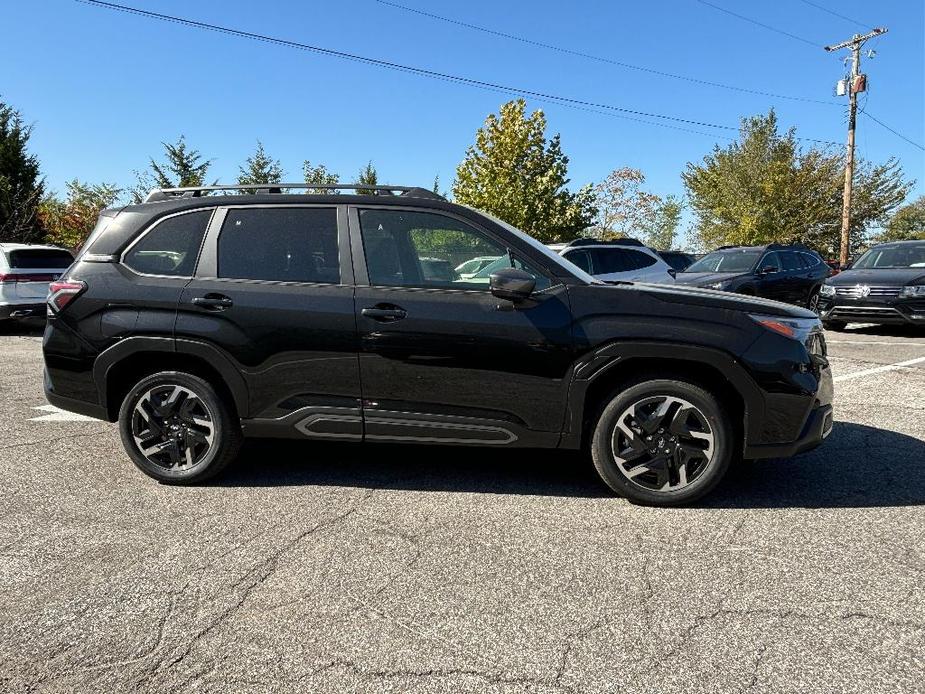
(714, 371)
(118, 370)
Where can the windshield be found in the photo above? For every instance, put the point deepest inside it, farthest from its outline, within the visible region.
(891, 257)
(737, 260)
(551, 255)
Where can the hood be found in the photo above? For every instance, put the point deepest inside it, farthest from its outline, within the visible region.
(702, 279)
(723, 300)
(895, 277)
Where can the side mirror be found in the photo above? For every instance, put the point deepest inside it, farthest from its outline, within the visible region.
(511, 284)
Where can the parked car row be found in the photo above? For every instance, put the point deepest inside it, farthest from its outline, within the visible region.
(885, 285)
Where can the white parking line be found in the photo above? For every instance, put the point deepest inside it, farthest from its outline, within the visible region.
(879, 369)
(874, 342)
(56, 414)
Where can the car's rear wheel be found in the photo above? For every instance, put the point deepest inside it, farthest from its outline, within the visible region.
(662, 442)
(177, 429)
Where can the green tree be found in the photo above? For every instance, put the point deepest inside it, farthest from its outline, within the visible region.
(21, 185)
(319, 176)
(260, 168)
(69, 222)
(183, 168)
(369, 176)
(514, 173)
(763, 188)
(907, 223)
(663, 228)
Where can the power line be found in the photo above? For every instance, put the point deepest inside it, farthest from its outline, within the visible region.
(560, 100)
(836, 14)
(600, 59)
(814, 44)
(895, 132)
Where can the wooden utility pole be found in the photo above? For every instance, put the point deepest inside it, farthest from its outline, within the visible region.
(855, 84)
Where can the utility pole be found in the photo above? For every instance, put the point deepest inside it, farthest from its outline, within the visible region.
(857, 83)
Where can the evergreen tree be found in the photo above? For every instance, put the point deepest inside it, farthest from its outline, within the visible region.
(514, 173)
(319, 176)
(260, 168)
(183, 168)
(369, 176)
(21, 185)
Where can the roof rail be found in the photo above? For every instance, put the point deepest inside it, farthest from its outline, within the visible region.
(612, 242)
(158, 194)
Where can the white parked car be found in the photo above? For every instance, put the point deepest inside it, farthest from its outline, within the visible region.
(25, 273)
(625, 260)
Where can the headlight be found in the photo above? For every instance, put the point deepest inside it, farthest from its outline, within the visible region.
(827, 290)
(913, 290)
(795, 328)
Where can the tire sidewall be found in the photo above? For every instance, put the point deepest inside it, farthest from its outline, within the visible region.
(723, 442)
(220, 421)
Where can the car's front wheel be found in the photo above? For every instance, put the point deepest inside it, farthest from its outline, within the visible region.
(836, 325)
(662, 442)
(177, 429)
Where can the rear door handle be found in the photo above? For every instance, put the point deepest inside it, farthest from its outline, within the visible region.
(384, 313)
(213, 301)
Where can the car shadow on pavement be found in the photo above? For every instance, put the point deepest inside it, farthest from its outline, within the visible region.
(858, 466)
(911, 331)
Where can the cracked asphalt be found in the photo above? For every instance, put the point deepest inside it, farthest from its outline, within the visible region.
(342, 568)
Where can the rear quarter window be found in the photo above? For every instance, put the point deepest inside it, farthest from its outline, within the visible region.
(171, 247)
(39, 259)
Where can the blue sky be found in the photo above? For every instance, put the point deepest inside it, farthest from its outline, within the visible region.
(104, 88)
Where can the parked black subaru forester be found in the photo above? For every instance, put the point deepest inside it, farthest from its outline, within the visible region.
(198, 318)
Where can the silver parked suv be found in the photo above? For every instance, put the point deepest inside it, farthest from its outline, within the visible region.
(25, 272)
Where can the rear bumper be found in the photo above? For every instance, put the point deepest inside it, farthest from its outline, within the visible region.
(30, 309)
(89, 409)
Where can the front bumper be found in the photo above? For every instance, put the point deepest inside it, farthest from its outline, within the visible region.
(25, 310)
(887, 310)
(818, 426)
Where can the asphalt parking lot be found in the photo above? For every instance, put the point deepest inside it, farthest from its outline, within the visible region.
(332, 568)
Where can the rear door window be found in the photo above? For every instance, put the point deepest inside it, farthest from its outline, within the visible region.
(39, 259)
(280, 244)
(790, 261)
(171, 247)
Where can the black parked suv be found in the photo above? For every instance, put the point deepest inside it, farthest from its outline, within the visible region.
(785, 273)
(885, 285)
(197, 318)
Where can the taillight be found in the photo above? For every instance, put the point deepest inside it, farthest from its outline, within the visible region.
(9, 278)
(60, 294)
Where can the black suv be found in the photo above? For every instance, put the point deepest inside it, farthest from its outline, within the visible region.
(885, 285)
(197, 318)
(785, 273)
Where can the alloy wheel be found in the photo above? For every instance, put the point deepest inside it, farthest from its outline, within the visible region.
(813, 303)
(172, 427)
(662, 443)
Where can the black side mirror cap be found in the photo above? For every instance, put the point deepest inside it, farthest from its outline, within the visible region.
(511, 284)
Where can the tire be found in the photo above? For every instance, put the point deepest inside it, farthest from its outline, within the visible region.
(177, 429)
(836, 325)
(703, 440)
(812, 302)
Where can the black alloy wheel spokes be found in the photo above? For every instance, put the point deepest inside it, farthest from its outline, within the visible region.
(662, 443)
(172, 427)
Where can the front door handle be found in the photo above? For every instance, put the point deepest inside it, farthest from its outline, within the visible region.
(213, 301)
(384, 313)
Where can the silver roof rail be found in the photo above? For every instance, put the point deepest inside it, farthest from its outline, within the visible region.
(158, 194)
